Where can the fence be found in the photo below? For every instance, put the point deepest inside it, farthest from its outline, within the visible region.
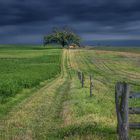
(82, 79)
(122, 94)
(91, 85)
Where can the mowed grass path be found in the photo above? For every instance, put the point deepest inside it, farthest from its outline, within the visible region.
(64, 110)
(36, 115)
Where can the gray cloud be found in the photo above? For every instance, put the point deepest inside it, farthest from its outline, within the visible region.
(26, 21)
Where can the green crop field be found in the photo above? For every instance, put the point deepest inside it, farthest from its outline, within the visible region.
(61, 108)
(25, 67)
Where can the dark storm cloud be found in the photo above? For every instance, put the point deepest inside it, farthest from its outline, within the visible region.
(90, 18)
(16, 12)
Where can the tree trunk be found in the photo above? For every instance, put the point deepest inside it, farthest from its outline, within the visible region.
(63, 44)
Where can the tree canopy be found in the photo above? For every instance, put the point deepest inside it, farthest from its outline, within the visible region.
(63, 36)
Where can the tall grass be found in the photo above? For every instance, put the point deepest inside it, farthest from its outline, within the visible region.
(26, 68)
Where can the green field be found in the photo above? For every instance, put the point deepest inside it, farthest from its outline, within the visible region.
(61, 109)
(25, 67)
(118, 48)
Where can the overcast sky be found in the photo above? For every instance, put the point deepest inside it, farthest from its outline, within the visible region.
(27, 21)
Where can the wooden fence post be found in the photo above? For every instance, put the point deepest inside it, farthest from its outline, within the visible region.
(78, 73)
(124, 111)
(91, 85)
(81, 77)
(122, 94)
(121, 100)
(82, 80)
(118, 92)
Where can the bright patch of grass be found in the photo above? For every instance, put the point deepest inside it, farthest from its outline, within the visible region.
(25, 67)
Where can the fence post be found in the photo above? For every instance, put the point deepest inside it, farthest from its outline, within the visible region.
(82, 80)
(124, 111)
(91, 85)
(121, 100)
(79, 76)
(118, 92)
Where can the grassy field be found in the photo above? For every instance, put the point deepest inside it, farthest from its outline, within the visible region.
(118, 48)
(61, 109)
(107, 67)
(25, 67)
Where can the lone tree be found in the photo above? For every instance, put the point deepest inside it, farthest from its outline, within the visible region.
(63, 36)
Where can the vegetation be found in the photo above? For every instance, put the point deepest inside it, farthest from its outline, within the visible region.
(107, 67)
(118, 48)
(63, 36)
(64, 110)
(26, 67)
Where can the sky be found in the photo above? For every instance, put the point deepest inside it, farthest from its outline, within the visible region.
(27, 21)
